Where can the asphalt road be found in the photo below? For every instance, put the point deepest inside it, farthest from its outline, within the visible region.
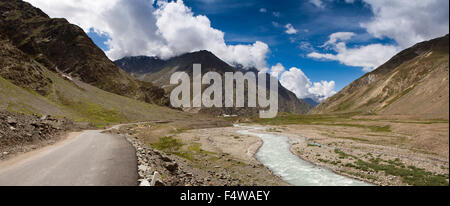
(88, 159)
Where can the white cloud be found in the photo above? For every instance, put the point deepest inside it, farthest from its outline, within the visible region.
(277, 70)
(317, 3)
(408, 21)
(263, 10)
(297, 82)
(338, 36)
(368, 57)
(290, 29)
(136, 27)
(306, 46)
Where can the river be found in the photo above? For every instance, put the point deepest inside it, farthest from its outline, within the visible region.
(276, 155)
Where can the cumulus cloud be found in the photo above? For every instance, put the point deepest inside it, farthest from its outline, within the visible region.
(297, 82)
(408, 21)
(138, 27)
(338, 36)
(263, 10)
(290, 29)
(368, 57)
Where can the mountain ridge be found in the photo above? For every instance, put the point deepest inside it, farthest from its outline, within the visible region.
(159, 74)
(415, 74)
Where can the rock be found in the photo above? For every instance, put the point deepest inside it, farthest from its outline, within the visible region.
(159, 183)
(144, 183)
(171, 166)
(5, 153)
(143, 168)
(165, 158)
(11, 121)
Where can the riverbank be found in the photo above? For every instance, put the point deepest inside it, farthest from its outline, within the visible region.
(204, 154)
(373, 151)
(379, 151)
(276, 154)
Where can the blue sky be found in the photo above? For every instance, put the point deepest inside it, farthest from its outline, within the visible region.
(314, 47)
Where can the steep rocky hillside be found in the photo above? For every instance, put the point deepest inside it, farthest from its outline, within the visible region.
(26, 86)
(63, 47)
(157, 71)
(414, 83)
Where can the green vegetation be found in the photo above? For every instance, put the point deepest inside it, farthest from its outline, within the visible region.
(410, 175)
(170, 145)
(343, 155)
(320, 119)
(96, 114)
(173, 146)
(80, 102)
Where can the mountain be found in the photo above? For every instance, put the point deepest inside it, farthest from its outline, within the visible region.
(65, 48)
(158, 72)
(28, 87)
(38, 78)
(414, 82)
(311, 102)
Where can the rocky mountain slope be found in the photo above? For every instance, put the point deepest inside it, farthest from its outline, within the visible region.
(63, 47)
(158, 71)
(413, 83)
(35, 80)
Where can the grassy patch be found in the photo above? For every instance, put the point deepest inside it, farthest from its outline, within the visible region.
(93, 113)
(319, 119)
(410, 175)
(343, 155)
(176, 147)
(285, 118)
(168, 145)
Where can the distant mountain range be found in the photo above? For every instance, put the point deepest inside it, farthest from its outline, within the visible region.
(414, 82)
(158, 72)
(311, 102)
